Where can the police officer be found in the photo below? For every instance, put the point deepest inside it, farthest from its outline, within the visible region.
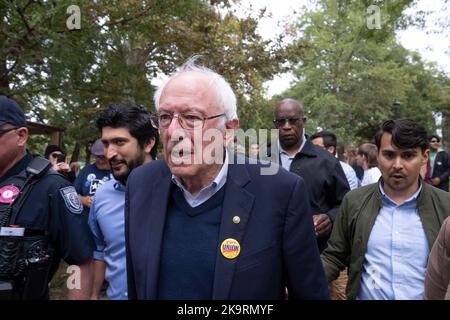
(41, 219)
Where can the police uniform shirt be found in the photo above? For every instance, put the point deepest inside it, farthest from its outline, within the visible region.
(53, 205)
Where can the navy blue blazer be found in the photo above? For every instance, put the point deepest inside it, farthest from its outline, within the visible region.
(278, 244)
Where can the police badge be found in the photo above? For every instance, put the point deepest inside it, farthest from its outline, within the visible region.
(71, 199)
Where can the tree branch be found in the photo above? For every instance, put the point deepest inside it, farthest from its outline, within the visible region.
(123, 21)
(24, 20)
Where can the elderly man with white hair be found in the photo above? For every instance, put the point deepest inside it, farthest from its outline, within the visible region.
(204, 223)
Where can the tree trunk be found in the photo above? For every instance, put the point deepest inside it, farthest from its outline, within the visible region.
(4, 79)
(135, 59)
(88, 153)
(75, 153)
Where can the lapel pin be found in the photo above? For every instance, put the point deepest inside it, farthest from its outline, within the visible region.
(230, 248)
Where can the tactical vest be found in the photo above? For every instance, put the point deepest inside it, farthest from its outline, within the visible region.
(25, 253)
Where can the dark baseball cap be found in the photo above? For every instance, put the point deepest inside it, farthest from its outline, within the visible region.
(11, 113)
(52, 148)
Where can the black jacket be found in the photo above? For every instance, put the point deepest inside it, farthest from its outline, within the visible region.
(324, 179)
(51, 208)
(441, 169)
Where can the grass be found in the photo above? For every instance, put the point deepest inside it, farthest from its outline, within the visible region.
(58, 288)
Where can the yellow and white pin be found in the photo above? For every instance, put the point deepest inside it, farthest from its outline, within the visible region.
(230, 248)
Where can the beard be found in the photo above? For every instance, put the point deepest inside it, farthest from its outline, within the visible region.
(127, 166)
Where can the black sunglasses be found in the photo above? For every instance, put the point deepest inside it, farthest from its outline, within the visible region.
(280, 122)
(2, 132)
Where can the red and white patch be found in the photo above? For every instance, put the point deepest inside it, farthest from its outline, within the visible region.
(8, 194)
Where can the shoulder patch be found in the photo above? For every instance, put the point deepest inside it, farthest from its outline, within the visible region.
(70, 196)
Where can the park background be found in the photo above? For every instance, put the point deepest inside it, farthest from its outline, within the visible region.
(349, 62)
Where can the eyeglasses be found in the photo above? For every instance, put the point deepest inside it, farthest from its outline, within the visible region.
(434, 141)
(186, 121)
(279, 122)
(2, 132)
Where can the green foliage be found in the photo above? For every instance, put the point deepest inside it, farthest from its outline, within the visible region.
(64, 78)
(351, 75)
(348, 75)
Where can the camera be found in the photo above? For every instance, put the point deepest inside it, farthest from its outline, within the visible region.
(60, 158)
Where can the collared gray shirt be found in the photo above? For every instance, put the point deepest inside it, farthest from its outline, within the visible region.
(207, 192)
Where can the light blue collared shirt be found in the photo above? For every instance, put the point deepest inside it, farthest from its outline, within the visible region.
(207, 192)
(285, 158)
(397, 251)
(350, 174)
(107, 223)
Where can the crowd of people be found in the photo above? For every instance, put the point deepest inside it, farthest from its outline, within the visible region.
(201, 222)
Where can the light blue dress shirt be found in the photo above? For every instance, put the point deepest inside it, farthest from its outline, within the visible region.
(397, 251)
(350, 174)
(207, 192)
(107, 223)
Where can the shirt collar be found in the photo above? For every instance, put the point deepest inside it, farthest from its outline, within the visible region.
(413, 198)
(217, 183)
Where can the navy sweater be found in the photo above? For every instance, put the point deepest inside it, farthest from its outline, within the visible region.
(189, 249)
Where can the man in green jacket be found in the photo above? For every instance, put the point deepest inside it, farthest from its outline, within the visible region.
(384, 231)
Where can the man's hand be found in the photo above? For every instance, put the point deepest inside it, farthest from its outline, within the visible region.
(436, 181)
(99, 278)
(322, 224)
(86, 200)
(61, 167)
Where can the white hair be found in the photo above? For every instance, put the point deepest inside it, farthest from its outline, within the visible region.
(225, 95)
